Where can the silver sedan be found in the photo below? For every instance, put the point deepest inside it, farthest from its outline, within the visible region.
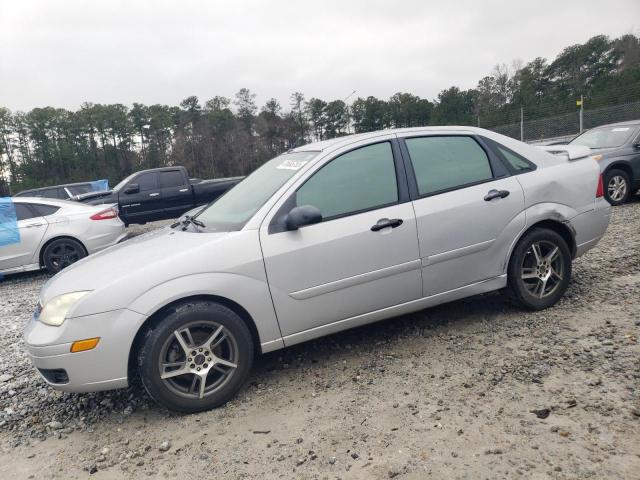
(45, 233)
(328, 236)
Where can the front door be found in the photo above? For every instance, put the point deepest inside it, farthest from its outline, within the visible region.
(22, 249)
(146, 203)
(468, 210)
(346, 265)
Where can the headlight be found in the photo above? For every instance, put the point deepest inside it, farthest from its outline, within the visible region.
(55, 311)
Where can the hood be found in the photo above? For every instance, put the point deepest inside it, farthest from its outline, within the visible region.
(152, 255)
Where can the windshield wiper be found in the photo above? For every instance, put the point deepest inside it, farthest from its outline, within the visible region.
(188, 220)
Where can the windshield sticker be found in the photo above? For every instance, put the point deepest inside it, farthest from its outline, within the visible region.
(620, 129)
(9, 233)
(292, 164)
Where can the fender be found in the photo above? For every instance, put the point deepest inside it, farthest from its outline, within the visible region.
(252, 294)
(539, 212)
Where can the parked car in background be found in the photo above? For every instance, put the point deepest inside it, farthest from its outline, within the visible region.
(159, 194)
(53, 234)
(63, 192)
(326, 237)
(616, 147)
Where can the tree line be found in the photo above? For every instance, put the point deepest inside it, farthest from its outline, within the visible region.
(225, 137)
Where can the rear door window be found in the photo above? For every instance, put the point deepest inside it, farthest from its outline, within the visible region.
(44, 210)
(171, 178)
(24, 211)
(443, 163)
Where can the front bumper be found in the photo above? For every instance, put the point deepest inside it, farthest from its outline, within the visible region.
(103, 368)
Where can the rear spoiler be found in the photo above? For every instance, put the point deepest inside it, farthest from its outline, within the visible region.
(571, 152)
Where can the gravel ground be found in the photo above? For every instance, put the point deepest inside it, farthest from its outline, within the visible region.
(472, 389)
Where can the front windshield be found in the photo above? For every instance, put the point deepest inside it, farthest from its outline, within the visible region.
(605, 137)
(234, 209)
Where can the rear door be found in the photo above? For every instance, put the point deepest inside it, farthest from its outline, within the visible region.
(177, 196)
(145, 204)
(468, 209)
(31, 229)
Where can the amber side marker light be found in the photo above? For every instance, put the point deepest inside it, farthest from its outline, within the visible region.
(84, 345)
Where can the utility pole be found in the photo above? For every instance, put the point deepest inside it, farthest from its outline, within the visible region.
(348, 114)
(521, 124)
(581, 104)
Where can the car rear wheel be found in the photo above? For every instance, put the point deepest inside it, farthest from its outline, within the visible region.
(197, 357)
(617, 186)
(539, 269)
(61, 253)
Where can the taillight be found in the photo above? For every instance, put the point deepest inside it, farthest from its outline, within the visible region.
(600, 190)
(107, 214)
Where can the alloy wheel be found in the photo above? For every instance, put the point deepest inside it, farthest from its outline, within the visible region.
(64, 254)
(198, 359)
(617, 188)
(542, 269)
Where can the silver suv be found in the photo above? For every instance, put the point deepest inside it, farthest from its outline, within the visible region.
(325, 237)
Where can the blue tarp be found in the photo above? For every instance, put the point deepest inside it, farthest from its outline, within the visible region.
(9, 232)
(100, 185)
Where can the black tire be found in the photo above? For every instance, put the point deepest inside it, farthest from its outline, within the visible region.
(613, 195)
(526, 292)
(61, 253)
(160, 343)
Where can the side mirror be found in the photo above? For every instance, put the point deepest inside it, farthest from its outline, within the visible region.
(132, 188)
(301, 216)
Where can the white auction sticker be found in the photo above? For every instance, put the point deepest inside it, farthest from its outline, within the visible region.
(292, 164)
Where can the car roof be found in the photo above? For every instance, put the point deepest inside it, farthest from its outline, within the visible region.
(345, 140)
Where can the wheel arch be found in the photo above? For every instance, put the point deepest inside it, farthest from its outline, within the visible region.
(620, 165)
(153, 319)
(53, 239)
(561, 227)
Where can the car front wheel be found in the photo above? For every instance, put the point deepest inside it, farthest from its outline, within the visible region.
(197, 357)
(539, 269)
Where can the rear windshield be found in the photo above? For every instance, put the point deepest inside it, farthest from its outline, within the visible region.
(605, 137)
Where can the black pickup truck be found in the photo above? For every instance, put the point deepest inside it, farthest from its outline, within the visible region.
(159, 194)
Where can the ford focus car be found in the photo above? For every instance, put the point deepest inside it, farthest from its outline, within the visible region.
(328, 236)
(40, 233)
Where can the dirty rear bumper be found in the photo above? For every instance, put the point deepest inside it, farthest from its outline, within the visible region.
(591, 226)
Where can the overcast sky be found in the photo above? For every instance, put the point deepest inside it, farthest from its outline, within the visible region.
(62, 53)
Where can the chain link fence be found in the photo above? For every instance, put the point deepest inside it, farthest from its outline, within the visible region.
(566, 126)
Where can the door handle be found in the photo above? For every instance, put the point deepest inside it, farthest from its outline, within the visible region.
(496, 194)
(34, 225)
(184, 189)
(385, 222)
(154, 194)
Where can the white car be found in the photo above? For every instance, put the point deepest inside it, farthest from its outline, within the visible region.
(40, 232)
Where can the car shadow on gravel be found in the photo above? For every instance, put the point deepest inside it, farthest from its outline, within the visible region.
(87, 410)
(25, 276)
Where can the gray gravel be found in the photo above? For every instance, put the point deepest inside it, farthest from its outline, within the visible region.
(473, 389)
